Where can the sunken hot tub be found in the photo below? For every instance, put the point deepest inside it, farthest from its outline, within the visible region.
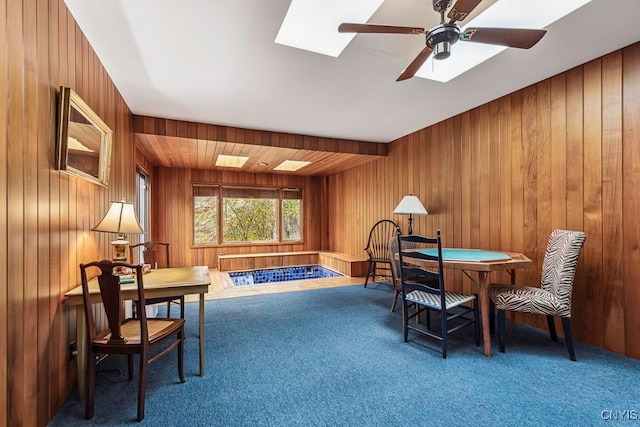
(282, 274)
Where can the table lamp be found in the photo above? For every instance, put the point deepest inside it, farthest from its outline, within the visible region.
(410, 205)
(120, 218)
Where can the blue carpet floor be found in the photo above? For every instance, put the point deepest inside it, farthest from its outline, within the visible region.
(335, 357)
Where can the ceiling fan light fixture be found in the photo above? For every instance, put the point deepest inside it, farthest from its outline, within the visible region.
(442, 50)
(441, 38)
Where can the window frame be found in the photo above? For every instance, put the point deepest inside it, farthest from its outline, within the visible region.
(220, 188)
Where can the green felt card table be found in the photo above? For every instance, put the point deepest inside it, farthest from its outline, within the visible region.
(473, 255)
(477, 264)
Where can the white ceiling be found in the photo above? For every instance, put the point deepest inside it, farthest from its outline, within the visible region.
(215, 61)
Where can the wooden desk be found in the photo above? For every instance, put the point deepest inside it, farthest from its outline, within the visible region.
(163, 282)
(482, 269)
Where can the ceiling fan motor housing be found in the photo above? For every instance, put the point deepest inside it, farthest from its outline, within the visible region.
(441, 38)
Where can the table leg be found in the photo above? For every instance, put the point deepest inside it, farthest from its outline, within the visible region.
(201, 314)
(81, 351)
(484, 312)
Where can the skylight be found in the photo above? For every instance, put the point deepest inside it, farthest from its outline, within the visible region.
(224, 160)
(313, 25)
(291, 165)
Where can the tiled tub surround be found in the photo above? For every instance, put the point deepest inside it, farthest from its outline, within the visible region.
(284, 274)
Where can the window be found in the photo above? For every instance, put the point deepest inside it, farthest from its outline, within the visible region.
(291, 204)
(246, 214)
(249, 215)
(205, 214)
(143, 211)
(142, 199)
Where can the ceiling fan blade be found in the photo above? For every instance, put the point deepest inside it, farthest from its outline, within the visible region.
(415, 65)
(383, 29)
(461, 9)
(510, 37)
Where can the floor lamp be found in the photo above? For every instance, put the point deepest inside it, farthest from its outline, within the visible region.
(410, 205)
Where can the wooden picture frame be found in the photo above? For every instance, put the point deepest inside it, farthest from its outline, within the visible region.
(83, 145)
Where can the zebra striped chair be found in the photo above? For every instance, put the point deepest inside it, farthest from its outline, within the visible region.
(553, 298)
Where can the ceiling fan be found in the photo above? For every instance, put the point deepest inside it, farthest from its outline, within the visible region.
(440, 38)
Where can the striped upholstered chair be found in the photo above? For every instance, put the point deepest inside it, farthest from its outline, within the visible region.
(553, 297)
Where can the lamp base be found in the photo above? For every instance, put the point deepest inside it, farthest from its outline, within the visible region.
(120, 249)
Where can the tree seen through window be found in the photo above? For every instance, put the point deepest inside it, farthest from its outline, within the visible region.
(247, 214)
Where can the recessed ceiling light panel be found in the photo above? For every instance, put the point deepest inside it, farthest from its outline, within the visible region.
(227, 161)
(291, 165)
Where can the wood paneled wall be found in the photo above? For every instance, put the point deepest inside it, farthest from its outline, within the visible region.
(46, 214)
(172, 208)
(564, 153)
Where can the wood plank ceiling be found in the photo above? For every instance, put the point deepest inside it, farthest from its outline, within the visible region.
(179, 144)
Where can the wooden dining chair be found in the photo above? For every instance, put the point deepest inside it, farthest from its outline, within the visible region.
(150, 256)
(423, 290)
(395, 270)
(127, 336)
(377, 250)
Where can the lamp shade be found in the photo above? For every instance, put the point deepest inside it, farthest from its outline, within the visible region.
(410, 205)
(120, 218)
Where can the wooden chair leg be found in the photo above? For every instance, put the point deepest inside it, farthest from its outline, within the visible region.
(130, 366)
(91, 378)
(444, 334)
(395, 300)
(428, 316)
(142, 384)
(501, 328)
(405, 320)
(492, 317)
(476, 323)
(373, 271)
(566, 328)
(181, 355)
(366, 278)
(552, 328)
(168, 308)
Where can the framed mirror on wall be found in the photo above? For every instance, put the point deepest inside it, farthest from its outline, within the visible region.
(83, 146)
